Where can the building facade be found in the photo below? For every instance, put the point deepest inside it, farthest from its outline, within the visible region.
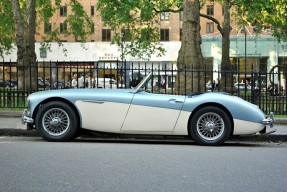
(247, 50)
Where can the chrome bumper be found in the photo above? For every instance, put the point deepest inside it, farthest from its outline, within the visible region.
(26, 118)
(269, 120)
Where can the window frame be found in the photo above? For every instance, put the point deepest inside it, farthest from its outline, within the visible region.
(209, 27)
(106, 35)
(164, 34)
(210, 10)
(63, 11)
(47, 28)
(164, 16)
(63, 28)
(92, 10)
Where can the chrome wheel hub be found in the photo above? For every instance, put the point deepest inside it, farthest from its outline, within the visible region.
(210, 126)
(56, 121)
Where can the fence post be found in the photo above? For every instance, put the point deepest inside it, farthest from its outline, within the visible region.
(255, 91)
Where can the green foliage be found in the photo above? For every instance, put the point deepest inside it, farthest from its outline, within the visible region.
(141, 18)
(79, 23)
(271, 14)
(6, 27)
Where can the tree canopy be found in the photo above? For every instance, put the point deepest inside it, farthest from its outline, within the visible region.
(80, 24)
(6, 27)
(267, 14)
(140, 19)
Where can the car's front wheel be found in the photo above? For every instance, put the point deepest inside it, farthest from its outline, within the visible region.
(56, 121)
(210, 126)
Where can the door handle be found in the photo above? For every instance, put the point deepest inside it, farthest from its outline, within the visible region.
(175, 101)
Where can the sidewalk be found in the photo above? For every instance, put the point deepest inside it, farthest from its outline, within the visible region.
(11, 125)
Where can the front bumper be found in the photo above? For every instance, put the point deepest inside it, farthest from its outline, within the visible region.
(269, 120)
(26, 118)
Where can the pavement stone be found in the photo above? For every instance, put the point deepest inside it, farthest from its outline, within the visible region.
(11, 125)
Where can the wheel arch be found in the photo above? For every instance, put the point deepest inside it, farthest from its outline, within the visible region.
(210, 104)
(56, 99)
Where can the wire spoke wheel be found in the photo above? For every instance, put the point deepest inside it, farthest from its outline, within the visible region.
(56, 121)
(210, 126)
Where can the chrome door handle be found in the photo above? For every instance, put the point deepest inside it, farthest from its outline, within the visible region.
(175, 101)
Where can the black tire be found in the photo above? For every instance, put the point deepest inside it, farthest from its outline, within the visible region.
(210, 126)
(57, 121)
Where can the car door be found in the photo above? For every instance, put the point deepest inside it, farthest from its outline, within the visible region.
(105, 112)
(153, 113)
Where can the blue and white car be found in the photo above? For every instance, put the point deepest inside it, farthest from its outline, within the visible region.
(207, 118)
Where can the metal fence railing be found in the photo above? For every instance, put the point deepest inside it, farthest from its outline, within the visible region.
(266, 89)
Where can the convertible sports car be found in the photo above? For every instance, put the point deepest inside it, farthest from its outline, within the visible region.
(207, 118)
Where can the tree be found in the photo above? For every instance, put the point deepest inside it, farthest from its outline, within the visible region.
(224, 29)
(190, 56)
(141, 18)
(24, 28)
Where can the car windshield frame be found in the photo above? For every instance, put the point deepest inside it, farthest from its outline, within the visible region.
(140, 85)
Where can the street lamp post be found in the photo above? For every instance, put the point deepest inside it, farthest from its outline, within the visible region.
(122, 45)
(245, 50)
(123, 68)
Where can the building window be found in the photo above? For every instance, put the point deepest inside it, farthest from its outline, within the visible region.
(63, 27)
(106, 35)
(164, 16)
(63, 11)
(126, 35)
(92, 10)
(92, 28)
(209, 27)
(210, 10)
(164, 34)
(181, 15)
(47, 28)
(180, 34)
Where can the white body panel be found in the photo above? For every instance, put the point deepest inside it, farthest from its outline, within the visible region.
(95, 115)
(181, 127)
(141, 119)
(246, 127)
(145, 119)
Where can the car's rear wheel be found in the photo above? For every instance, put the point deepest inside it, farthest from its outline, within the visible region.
(56, 121)
(210, 126)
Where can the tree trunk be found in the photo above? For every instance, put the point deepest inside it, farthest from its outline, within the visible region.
(25, 27)
(226, 81)
(190, 59)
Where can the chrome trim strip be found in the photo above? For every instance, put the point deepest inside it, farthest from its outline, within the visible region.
(91, 101)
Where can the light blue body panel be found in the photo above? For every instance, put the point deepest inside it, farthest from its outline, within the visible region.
(72, 95)
(238, 108)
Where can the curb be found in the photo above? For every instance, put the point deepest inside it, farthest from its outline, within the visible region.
(10, 113)
(276, 139)
(18, 133)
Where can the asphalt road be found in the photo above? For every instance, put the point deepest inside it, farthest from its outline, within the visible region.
(31, 164)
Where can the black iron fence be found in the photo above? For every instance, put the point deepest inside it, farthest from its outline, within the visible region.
(265, 89)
